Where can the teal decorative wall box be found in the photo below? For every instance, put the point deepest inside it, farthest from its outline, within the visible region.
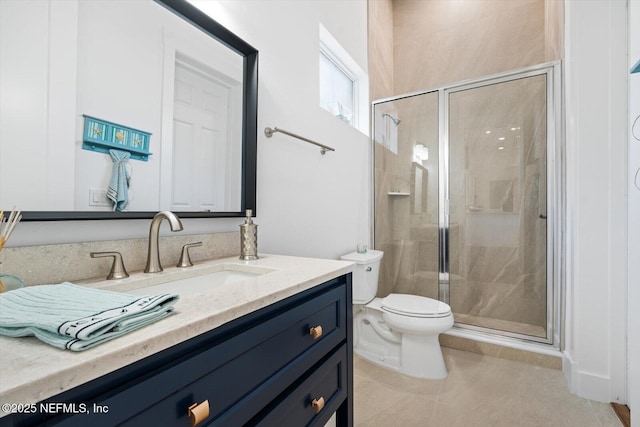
(101, 136)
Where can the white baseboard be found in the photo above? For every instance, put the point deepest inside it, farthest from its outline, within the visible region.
(584, 384)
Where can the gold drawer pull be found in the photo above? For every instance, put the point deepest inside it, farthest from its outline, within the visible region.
(198, 412)
(316, 332)
(318, 404)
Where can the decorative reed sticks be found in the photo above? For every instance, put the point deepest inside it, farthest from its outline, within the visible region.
(7, 225)
(6, 228)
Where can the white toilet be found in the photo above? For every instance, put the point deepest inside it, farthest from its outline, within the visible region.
(400, 331)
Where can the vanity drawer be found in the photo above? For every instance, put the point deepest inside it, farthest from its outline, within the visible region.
(249, 377)
(315, 399)
(239, 375)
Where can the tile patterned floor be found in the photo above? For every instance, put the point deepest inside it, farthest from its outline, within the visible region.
(479, 391)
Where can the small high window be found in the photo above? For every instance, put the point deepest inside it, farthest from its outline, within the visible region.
(336, 89)
(344, 87)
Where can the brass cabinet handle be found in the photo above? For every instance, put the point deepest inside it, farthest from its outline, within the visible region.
(316, 332)
(318, 404)
(198, 412)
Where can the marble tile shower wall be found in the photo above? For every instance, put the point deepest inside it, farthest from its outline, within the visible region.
(380, 19)
(436, 43)
(71, 261)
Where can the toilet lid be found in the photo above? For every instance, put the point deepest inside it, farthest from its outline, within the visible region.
(414, 305)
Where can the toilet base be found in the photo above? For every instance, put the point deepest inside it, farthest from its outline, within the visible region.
(388, 362)
(416, 350)
(413, 365)
(369, 330)
(417, 356)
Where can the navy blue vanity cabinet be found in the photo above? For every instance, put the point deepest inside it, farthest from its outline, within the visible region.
(288, 364)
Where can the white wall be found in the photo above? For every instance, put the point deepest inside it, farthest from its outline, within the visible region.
(119, 80)
(36, 115)
(634, 217)
(596, 177)
(308, 204)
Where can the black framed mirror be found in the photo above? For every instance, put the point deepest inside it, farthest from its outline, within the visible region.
(163, 177)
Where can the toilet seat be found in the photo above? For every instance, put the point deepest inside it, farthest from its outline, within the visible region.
(415, 306)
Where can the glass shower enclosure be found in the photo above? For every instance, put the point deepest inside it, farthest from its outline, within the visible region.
(466, 202)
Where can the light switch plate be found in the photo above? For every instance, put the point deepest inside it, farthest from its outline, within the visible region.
(98, 197)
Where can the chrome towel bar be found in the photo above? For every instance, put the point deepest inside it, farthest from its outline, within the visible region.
(323, 148)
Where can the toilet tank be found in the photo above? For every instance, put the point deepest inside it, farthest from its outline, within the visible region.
(365, 274)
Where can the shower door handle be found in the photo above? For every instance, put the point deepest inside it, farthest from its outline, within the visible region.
(541, 216)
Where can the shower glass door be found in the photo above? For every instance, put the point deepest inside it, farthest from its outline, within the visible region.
(466, 198)
(497, 219)
(406, 165)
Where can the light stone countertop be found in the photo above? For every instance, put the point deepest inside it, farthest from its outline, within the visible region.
(31, 371)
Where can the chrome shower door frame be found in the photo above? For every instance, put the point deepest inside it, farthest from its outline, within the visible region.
(552, 72)
(554, 193)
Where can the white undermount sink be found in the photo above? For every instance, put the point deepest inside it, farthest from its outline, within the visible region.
(188, 281)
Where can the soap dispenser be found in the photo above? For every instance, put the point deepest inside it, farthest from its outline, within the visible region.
(248, 239)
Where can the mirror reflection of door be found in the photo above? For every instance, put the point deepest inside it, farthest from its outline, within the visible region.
(115, 61)
(200, 121)
(201, 162)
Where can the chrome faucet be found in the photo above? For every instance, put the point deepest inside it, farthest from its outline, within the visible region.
(153, 255)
